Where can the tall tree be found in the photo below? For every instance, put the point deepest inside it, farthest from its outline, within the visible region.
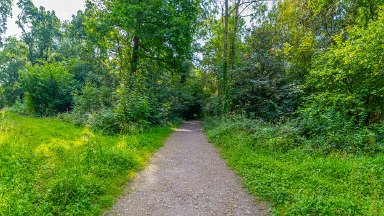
(40, 30)
(151, 31)
(5, 12)
(12, 59)
(223, 94)
(234, 39)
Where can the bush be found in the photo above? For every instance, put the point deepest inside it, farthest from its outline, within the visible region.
(19, 107)
(132, 110)
(331, 112)
(257, 133)
(353, 69)
(335, 122)
(93, 99)
(112, 112)
(324, 134)
(48, 89)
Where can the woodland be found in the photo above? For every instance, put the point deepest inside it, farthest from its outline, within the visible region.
(291, 92)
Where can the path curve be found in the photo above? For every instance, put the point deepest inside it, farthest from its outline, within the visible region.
(186, 177)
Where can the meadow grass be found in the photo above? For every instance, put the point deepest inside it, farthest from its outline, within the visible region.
(297, 181)
(50, 167)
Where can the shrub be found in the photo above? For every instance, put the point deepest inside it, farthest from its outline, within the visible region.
(330, 112)
(324, 134)
(347, 98)
(353, 69)
(112, 112)
(93, 99)
(257, 133)
(48, 89)
(132, 109)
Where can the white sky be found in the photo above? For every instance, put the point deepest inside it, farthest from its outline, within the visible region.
(64, 10)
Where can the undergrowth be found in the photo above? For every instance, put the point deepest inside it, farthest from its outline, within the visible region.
(278, 165)
(49, 167)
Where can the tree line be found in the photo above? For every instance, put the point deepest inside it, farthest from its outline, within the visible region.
(311, 64)
(116, 65)
(124, 64)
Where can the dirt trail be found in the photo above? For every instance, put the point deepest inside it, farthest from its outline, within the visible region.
(186, 177)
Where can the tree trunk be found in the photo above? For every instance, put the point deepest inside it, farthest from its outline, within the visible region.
(224, 81)
(234, 39)
(135, 48)
(135, 55)
(120, 56)
(233, 47)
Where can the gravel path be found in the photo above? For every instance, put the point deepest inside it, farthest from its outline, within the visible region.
(187, 177)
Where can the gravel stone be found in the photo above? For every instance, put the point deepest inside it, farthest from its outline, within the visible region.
(187, 177)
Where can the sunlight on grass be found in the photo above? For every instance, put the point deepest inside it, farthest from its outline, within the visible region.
(43, 150)
(3, 137)
(51, 167)
(122, 144)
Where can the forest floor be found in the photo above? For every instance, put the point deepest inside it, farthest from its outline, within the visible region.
(187, 177)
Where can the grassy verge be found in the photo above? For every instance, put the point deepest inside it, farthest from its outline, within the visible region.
(49, 167)
(295, 180)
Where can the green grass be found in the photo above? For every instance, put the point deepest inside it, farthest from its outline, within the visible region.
(49, 167)
(297, 181)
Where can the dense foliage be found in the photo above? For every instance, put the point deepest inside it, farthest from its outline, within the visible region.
(5, 11)
(117, 66)
(353, 70)
(47, 89)
(302, 117)
(295, 62)
(123, 65)
(305, 75)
